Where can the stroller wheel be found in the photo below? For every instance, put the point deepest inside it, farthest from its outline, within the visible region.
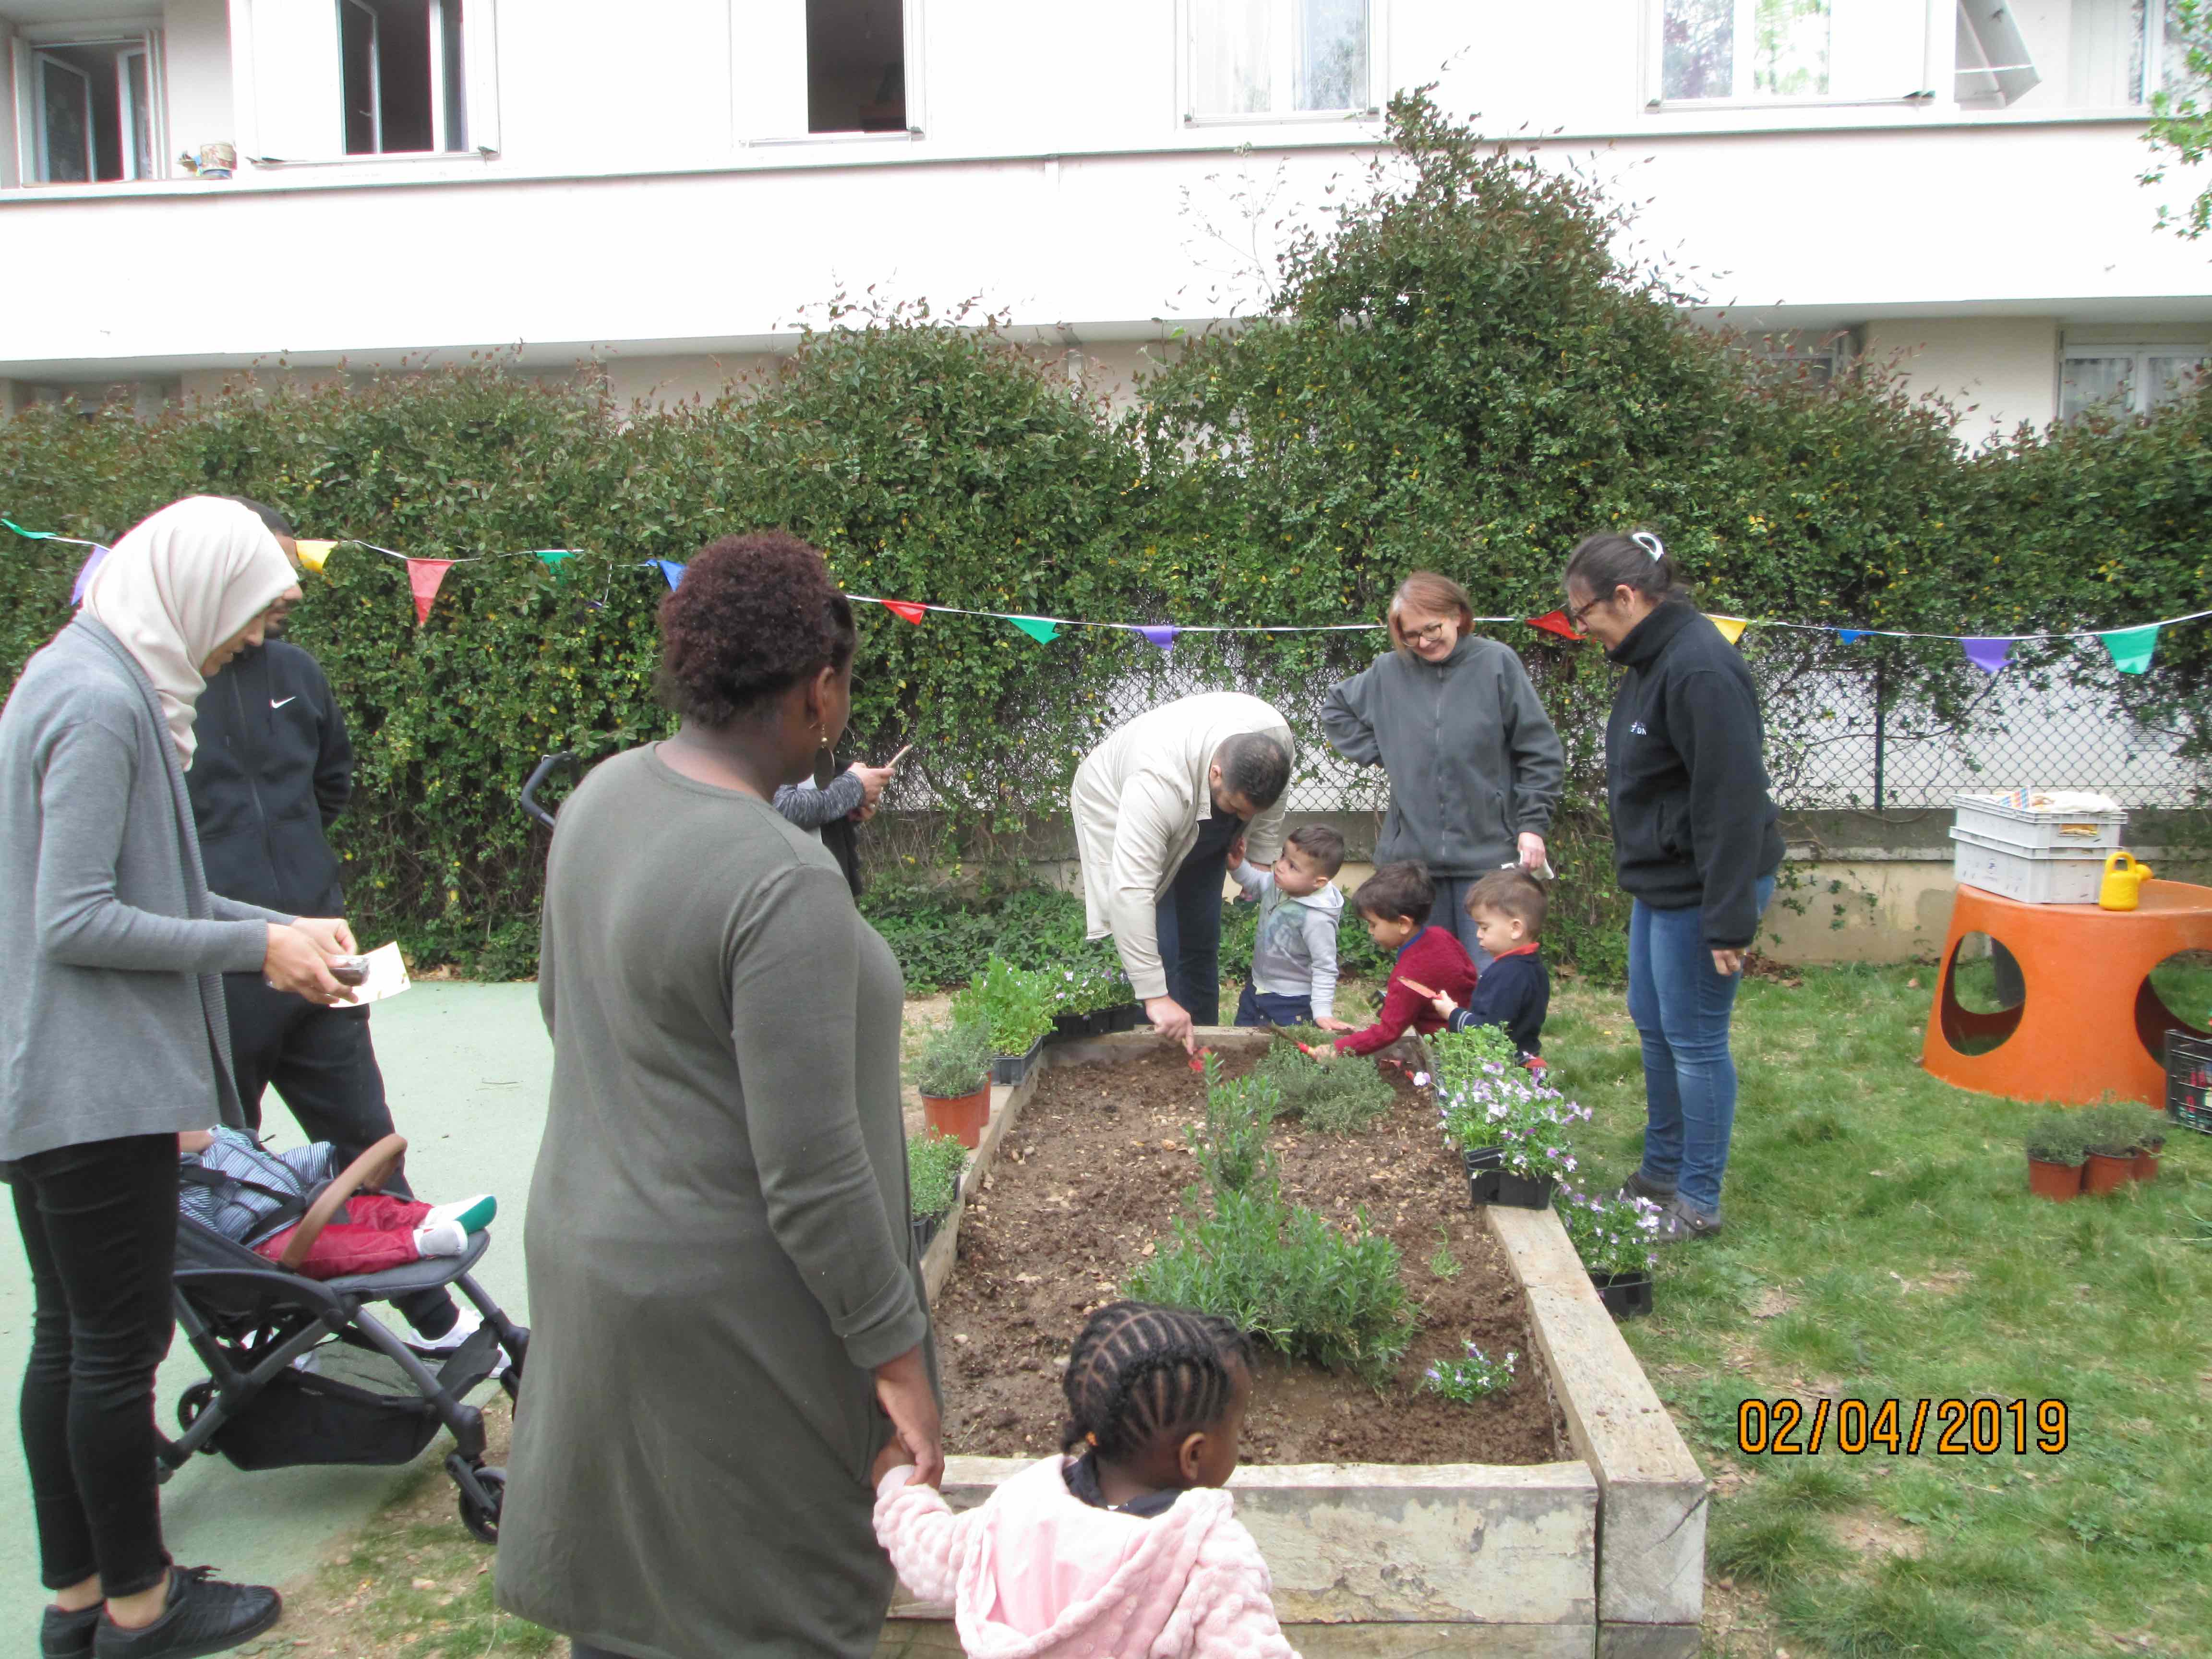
(483, 1521)
(194, 1400)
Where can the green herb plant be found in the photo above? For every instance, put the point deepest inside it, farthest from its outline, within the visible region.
(956, 1060)
(1233, 1152)
(1335, 1098)
(1014, 1002)
(935, 1163)
(2057, 1138)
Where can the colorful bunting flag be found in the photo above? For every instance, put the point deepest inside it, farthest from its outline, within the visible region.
(555, 558)
(1157, 634)
(907, 609)
(315, 555)
(1851, 635)
(33, 535)
(672, 571)
(423, 576)
(1987, 653)
(85, 572)
(1037, 628)
(1555, 622)
(2131, 647)
(1731, 627)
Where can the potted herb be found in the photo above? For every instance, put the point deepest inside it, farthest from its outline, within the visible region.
(952, 1074)
(2057, 1149)
(2147, 1148)
(1614, 1237)
(934, 1166)
(2110, 1134)
(1016, 1007)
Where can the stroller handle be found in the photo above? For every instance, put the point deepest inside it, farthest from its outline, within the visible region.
(370, 1170)
(563, 761)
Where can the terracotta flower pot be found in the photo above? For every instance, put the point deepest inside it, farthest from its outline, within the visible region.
(2104, 1173)
(961, 1116)
(2059, 1182)
(2144, 1165)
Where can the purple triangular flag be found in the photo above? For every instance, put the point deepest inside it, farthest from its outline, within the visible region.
(1989, 653)
(85, 573)
(1159, 634)
(672, 571)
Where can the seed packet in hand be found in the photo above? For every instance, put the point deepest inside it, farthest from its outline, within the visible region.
(387, 975)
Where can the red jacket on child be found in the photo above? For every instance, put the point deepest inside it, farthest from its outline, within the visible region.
(1436, 960)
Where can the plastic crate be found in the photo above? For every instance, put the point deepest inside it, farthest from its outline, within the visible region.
(2031, 875)
(2073, 824)
(2189, 1080)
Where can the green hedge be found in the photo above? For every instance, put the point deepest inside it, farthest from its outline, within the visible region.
(1460, 374)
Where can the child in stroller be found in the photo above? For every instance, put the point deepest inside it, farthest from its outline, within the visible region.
(279, 1260)
(259, 1198)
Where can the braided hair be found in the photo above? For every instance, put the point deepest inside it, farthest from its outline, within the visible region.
(1138, 1374)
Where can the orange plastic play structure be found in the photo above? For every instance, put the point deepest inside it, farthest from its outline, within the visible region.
(2090, 1024)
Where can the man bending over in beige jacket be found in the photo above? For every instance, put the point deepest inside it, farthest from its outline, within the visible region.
(1164, 809)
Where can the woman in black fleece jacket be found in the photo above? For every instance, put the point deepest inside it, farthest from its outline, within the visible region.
(1696, 843)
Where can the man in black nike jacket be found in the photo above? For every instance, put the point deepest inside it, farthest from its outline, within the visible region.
(272, 771)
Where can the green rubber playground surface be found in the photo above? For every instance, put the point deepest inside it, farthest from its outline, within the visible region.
(466, 1067)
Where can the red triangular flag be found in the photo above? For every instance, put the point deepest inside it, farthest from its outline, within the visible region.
(424, 575)
(907, 608)
(1555, 622)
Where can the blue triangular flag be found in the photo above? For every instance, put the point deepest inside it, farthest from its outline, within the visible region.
(674, 571)
(1851, 635)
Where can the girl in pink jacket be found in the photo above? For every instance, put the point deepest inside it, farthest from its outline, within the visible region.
(1125, 1549)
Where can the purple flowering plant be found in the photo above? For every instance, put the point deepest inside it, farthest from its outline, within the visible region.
(1488, 1099)
(1612, 1235)
(1467, 1380)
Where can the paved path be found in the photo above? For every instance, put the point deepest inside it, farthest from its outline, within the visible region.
(467, 1067)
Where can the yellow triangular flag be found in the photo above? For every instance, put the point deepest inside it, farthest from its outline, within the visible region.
(1731, 627)
(312, 554)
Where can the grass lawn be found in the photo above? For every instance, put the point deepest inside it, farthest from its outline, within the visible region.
(1880, 1243)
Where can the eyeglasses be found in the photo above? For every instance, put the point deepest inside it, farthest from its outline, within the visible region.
(1574, 614)
(1429, 634)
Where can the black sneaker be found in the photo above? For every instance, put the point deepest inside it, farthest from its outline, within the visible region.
(68, 1635)
(1679, 1220)
(204, 1615)
(1637, 1187)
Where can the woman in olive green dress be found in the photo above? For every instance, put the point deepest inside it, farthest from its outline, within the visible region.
(729, 1319)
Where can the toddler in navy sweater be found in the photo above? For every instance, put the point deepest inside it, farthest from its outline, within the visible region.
(1514, 991)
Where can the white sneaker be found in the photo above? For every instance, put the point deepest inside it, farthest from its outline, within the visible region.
(469, 1323)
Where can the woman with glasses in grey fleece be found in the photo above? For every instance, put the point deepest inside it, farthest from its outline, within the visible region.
(1473, 760)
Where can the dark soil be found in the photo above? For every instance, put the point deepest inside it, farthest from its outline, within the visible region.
(1084, 1190)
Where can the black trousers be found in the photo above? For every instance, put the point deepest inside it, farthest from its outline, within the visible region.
(320, 1060)
(1188, 922)
(100, 1230)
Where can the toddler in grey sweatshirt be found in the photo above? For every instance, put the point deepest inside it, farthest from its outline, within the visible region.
(1294, 953)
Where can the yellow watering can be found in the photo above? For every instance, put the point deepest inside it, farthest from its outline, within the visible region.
(2125, 875)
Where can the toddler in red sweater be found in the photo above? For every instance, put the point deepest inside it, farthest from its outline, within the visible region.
(1395, 903)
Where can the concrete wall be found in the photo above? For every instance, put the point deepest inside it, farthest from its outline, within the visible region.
(1999, 371)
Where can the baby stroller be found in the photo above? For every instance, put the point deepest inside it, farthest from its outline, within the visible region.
(361, 1395)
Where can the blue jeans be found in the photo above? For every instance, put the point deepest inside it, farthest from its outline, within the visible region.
(1450, 914)
(1681, 1006)
(1189, 922)
(1256, 1005)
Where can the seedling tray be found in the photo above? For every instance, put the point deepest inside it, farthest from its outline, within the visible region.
(2189, 1081)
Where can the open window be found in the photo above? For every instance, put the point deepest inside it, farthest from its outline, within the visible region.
(856, 66)
(2068, 54)
(340, 78)
(89, 110)
(1789, 51)
(1250, 59)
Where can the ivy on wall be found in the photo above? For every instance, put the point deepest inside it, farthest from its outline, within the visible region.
(1460, 374)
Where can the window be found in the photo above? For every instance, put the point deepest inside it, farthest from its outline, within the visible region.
(338, 78)
(94, 117)
(2126, 380)
(401, 60)
(2072, 54)
(1816, 359)
(1279, 57)
(1783, 51)
(855, 66)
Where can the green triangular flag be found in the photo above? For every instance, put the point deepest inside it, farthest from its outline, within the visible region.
(2131, 647)
(1036, 627)
(555, 558)
(33, 535)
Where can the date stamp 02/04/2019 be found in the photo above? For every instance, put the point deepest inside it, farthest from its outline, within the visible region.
(1948, 1428)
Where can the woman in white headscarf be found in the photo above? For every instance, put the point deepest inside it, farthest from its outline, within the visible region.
(113, 1040)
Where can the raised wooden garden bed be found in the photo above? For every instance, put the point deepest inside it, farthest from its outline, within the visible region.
(1565, 1518)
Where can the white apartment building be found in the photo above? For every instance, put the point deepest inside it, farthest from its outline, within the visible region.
(667, 187)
